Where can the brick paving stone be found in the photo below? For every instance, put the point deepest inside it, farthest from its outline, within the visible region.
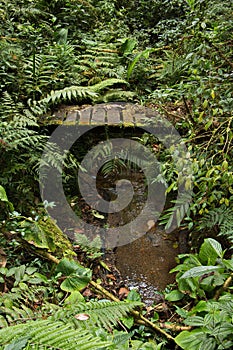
(98, 115)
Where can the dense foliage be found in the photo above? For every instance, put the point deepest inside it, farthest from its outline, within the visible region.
(175, 55)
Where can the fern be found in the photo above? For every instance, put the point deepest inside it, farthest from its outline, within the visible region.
(65, 329)
(80, 93)
(91, 248)
(116, 95)
(100, 61)
(76, 93)
(103, 314)
(15, 314)
(51, 335)
(221, 217)
(106, 84)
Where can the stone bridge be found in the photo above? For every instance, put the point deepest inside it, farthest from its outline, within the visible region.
(125, 114)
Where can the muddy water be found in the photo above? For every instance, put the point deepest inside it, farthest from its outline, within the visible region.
(145, 263)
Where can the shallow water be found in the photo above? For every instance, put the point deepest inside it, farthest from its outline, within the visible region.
(145, 263)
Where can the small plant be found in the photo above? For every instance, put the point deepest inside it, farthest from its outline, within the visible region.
(206, 278)
(91, 248)
(200, 275)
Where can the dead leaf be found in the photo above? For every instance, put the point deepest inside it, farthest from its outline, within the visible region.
(3, 258)
(87, 292)
(150, 224)
(111, 277)
(78, 230)
(123, 292)
(82, 317)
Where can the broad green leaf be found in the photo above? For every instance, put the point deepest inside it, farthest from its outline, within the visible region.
(133, 296)
(43, 278)
(74, 298)
(228, 264)
(190, 340)
(30, 270)
(194, 321)
(174, 295)
(77, 276)
(199, 271)
(200, 307)
(76, 282)
(69, 266)
(210, 250)
(17, 344)
(38, 235)
(128, 46)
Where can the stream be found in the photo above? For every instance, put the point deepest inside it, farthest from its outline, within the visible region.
(144, 264)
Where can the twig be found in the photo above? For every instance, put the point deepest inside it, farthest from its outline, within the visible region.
(136, 314)
(174, 327)
(225, 286)
(188, 110)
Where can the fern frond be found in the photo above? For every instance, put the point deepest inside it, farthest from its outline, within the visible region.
(49, 334)
(101, 314)
(92, 248)
(221, 217)
(16, 314)
(76, 93)
(116, 95)
(107, 84)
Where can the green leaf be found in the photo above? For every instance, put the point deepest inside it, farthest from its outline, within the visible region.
(224, 329)
(200, 307)
(128, 321)
(191, 340)
(37, 234)
(174, 295)
(3, 198)
(128, 46)
(68, 267)
(17, 344)
(19, 273)
(133, 296)
(75, 283)
(199, 271)
(194, 321)
(210, 250)
(131, 66)
(77, 276)
(228, 264)
(74, 298)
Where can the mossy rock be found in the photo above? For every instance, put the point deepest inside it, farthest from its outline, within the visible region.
(45, 234)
